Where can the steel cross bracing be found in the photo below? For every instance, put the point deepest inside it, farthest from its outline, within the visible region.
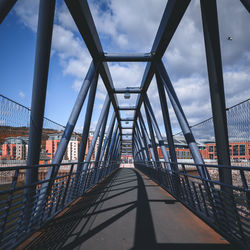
(140, 142)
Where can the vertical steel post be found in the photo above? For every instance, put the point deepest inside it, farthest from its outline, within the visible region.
(166, 119)
(107, 152)
(152, 136)
(75, 114)
(43, 46)
(85, 165)
(5, 7)
(145, 134)
(146, 148)
(87, 121)
(97, 158)
(181, 118)
(157, 130)
(139, 137)
(108, 137)
(215, 75)
(85, 132)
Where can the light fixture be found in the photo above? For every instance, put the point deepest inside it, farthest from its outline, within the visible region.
(127, 94)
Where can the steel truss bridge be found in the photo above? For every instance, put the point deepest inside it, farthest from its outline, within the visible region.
(222, 204)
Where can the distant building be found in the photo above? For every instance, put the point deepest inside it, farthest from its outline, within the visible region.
(239, 151)
(72, 150)
(15, 148)
(181, 148)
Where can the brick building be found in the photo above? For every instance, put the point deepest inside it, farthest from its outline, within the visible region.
(15, 148)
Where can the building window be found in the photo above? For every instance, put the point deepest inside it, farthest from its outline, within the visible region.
(211, 156)
(235, 150)
(242, 149)
(210, 149)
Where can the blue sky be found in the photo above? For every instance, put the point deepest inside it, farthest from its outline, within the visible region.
(124, 26)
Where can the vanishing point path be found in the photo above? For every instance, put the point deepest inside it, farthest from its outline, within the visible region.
(127, 211)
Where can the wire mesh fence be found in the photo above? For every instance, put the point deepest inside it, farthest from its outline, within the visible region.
(14, 132)
(238, 122)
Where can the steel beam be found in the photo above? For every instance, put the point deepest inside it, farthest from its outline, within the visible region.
(43, 46)
(145, 135)
(181, 118)
(127, 90)
(157, 131)
(85, 132)
(85, 165)
(133, 57)
(166, 119)
(152, 135)
(102, 116)
(147, 149)
(215, 75)
(246, 3)
(81, 14)
(127, 107)
(5, 7)
(172, 16)
(74, 114)
(127, 119)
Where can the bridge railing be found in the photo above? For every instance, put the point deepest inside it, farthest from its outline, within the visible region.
(66, 187)
(224, 207)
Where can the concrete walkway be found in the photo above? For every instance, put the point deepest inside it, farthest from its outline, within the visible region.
(128, 211)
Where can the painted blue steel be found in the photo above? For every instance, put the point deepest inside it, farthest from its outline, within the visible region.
(232, 223)
(105, 145)
(145, 134)
(143, 142)
(157, 130)
(127, 90)
(215, 75)
(87, 121)
(143, 152)
(246, 3)
(102, 116)
(41, 69)
(101, 137)
(132, 57)
(75, 114)
(152, 135)
(5, 7)
(13, 229)
(166, 119)
(108, 148)
(181, 118)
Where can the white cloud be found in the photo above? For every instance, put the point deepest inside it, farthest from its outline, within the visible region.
(21, 94)
(131, 26)
(27, 10)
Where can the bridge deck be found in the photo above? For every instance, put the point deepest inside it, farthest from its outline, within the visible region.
(128, 211)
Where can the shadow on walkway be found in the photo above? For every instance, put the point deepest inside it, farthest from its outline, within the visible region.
(125, 193)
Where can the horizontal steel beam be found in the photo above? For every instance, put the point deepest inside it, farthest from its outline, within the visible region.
(127, 119)
(129, 57)
(127, 90)
(172, 16)
(127, 107)
(81, 14)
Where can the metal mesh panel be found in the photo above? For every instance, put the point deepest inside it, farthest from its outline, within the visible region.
(14, 125)
(238, 122)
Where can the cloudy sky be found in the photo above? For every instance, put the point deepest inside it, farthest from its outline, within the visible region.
(125, 26)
